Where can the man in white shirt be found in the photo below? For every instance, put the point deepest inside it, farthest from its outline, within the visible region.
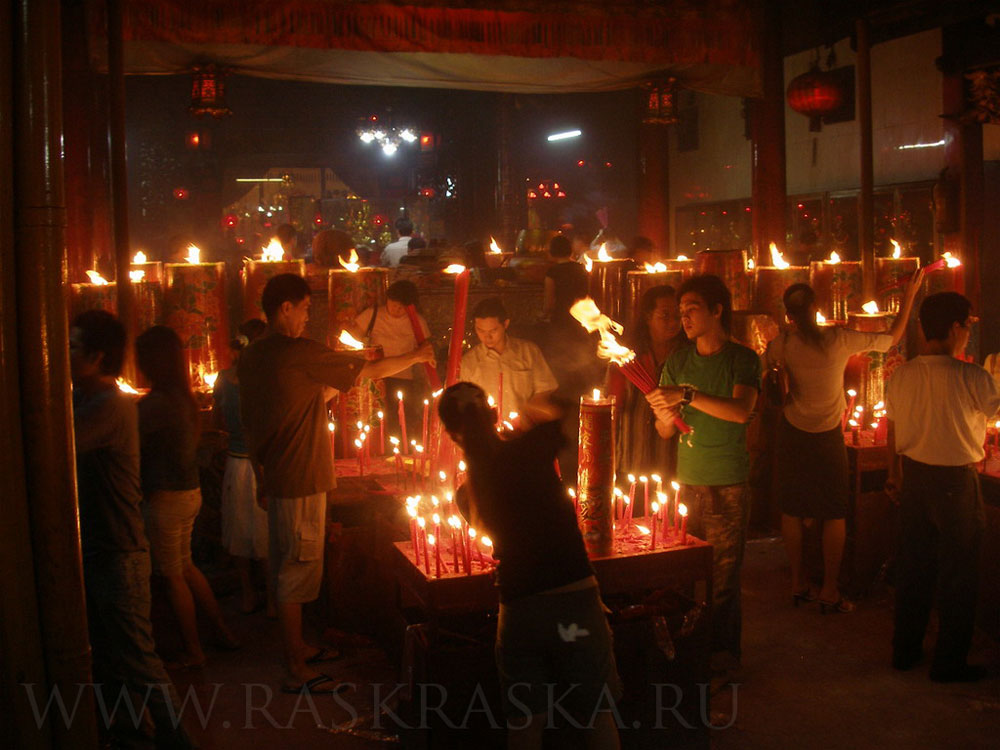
(938, 406)
(394, 251)
(526, 375)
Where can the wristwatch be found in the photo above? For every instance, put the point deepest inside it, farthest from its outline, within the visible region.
(688, 394)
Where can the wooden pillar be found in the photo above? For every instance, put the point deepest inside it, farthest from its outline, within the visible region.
(767, 127)
(866, 199)
(43, 357)
(654, 185)
(510, 193)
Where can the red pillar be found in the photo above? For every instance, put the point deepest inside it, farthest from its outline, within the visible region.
(654, 185)
(866, 198)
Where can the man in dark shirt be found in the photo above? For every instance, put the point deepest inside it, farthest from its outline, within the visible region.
(285, 381)
(552, 629)
(116, 563)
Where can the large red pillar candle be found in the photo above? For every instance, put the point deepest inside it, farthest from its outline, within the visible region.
(194, 305)
(681, 263)
(607, 286)
(639, 282)
(870, 366)
(351, 292)
(363, 401)
(891, 275)
(731, 267)
(596, 474)
(87, 296)
(946, 279)
(457, 327)
(770, 283)
(148, 303)
(838, 286)
(152, 271)
(255, 275)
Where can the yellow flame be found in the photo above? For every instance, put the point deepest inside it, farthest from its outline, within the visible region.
(870, 307)
(750, 264)
(351, 264)
(661, 498)
(655, 507)
(682, 509)
(472, 533)
(897, 251)
(951, 261)
(642, 529)
(851, 392)
(136, 276)
(597, 394)
(486, 541)
(454, 268)
(210, 378)
(655, 267)
(588, 263)
(124, 387)
(331, 426)
(834, 257)
(491, 401)
(776, 258)
(194, 254)
(273, 252)
(140, 257)
(97, 279)
(682, 257)
(590, 317)
(602, 253)
(494, 247)
(820, 319)
(349, 341)
(676, 486)
(572, 493)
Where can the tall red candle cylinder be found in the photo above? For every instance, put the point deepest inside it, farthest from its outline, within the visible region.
(148, 303)
(891, 275)
(596, 474)
(870, 365)
(87, 296)
(946, 279)
(731, 267)
(194, 305)
(256, 274)
(686, 266)
(152, 271)
(361, 402)
(639, 282)
(350, 293)
(457, 328)
(838, 286)
(770, 283)
(401, 413)
(608, 286)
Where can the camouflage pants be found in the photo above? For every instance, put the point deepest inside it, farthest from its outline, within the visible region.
(720, 514)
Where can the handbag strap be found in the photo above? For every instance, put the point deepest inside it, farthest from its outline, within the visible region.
(371, 324)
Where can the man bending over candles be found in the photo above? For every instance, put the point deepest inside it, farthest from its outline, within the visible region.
(938, 406)
(553, 637)
(713, 383)
(285, 380)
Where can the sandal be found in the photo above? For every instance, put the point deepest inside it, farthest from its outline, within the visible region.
(805, 596)
(841, 606)
(313, 686)
(324, 653)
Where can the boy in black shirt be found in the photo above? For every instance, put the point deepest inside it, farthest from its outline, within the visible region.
(552, 634)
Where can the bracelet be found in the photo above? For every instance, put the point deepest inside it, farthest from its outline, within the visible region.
(688, 394)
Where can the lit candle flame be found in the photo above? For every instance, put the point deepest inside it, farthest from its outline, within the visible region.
(461, 465)
(834, 257)
(656, 267)
(631, 477)
(393, 440)
(491, 401)
(486, 541)
(572, 493)
(597, 394)
(331, 426)
(655, 507)
(97, 279)
(349, 341)
(661, 497)
(273, 252)
(951, 261)
(124, 387)
(642, 529)
(682, 257)
(682, 510)
(399, 395)
(676, 486)
(210, 378)
(897, 251)
(140, 257)
(437, 393)
(588, 263)
(194, 255)
(656, 477)
(851, 392)
(602, 253)
(455, 268)
(750, 264)
(136, 276)
(870, 307)
(590, 317)
(777, 260)
(472, 533)
(352, 263)
(494, 247)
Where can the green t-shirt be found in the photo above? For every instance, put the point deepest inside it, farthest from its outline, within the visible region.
(715, 453)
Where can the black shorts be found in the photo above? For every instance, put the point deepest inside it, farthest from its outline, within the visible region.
(811, 472)
(556, 648)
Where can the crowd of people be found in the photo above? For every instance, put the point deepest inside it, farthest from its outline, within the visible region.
(139, 483)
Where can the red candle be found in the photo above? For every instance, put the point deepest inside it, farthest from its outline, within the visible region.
(332, 428)
(423, 430)
(381, 433)
(645, 492)
(655, 513)
(631, 490)
(361, 458)
(596, 473)
(402, 418)
(475, 544)
(850, 408)
(412, 511)
(500, 394)
(683, 513)
(457, 326)
(423, 535)
(455, 525)
(418, 334)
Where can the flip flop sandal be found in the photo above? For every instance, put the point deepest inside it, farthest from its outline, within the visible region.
(312, 686)
(325, 653)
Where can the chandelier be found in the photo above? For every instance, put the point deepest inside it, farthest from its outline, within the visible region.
(388, 137)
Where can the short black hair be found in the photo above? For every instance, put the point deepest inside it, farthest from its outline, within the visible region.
(491, 307)
(939, 312)
(416, 243)
(100, 331)
(403, 291)
(713, 292)
(404, 226)
(284, 287)
(560, 246)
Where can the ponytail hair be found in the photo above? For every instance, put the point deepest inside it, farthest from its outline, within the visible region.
(799, 300)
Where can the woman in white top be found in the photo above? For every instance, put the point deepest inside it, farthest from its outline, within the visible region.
(811, 476)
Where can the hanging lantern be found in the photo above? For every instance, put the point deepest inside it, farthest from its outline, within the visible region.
(208, 92)
(815, 94)
(661, 102)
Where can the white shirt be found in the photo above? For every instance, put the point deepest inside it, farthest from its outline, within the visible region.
(394, 251)
(939, 406)
(394, 335)
(816, 376)
(525, 372)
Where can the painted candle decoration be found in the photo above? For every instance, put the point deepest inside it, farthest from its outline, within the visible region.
(608, 277)
(639, 282)
(891, 275)
(351, 290)
(596, 473)
(681, 263)
(838, 286)
(870, 365)
(732, 267)
(256, 273)
(96, 294)
(770, 283)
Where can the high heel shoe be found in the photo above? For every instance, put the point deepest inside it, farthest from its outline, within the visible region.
(841, 606)
(804, 597)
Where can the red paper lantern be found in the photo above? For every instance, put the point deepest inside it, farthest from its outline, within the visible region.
(208, 92)
(815, 94)
(181, 194)
(661, 102)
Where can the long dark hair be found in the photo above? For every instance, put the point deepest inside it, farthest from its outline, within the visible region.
(639, 337)
(160, 356)
(798, 300)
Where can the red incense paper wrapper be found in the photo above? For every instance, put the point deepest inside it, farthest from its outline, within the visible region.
(596, 474)
(194, 305)
(731, 267)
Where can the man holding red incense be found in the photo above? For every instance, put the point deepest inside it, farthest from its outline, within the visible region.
(285, 381)
(712, 383)
(938, 406)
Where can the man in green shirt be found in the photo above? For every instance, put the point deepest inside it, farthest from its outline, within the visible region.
(713, 384)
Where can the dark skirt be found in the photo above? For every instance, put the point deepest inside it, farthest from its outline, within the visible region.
(811, 472)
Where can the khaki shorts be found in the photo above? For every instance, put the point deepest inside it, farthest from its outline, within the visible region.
(295, 552)
(169, 517)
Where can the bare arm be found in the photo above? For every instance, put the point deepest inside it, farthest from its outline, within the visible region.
(732, 409)
(389, 366)
(905, 307)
